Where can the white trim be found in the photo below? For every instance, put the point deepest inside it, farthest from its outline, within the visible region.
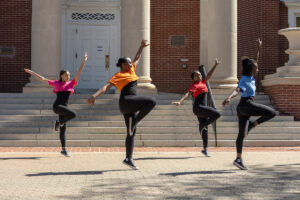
(293, 11)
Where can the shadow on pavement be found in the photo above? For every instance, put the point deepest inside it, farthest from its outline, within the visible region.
(259, 182)
(200, 172)
(74, 173)
(163, 158)
(21, 158)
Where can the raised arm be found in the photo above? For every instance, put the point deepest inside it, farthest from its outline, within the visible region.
(76, 78)
(105, 88)
(185, 97)
(234, 94)
(259, 44)
(39, 77)
(210, 73)
(137, 57)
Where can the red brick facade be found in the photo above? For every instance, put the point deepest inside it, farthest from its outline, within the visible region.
(256, 18)
(169, 18)
(15, 32)
(262, 18)
(286, 98)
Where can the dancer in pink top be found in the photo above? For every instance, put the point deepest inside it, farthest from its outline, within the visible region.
(63, 88)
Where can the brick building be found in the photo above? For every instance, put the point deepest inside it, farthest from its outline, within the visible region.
(183, 33)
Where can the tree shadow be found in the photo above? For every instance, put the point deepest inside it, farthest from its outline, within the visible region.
(21, 158)
(200, 172)
(295, 164)
(74, 173)
(274, 182)
(163, 158)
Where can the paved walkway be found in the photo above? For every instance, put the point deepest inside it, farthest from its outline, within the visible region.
(166, 173)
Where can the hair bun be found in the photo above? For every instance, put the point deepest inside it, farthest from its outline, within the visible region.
(245, 61)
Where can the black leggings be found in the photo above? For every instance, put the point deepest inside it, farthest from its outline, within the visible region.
(247, 108)
(136, 107)
(65, 115)
(205, 114)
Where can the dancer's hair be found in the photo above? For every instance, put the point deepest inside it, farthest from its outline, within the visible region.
(248, 65)
(61, 73)
(123, 60)
(195, 72)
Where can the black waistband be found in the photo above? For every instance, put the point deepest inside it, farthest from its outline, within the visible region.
(129, 89)
(62, 98)
(246, 98)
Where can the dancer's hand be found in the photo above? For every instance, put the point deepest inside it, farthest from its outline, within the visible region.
(27, 70)
(217, 61)
(85, 56)
(177, 103)
(226, 102)
(144, 43)
(259, 42)
(91, 101)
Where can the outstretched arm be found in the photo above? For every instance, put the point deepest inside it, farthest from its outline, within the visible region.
(144, 44)
(39, 77)
(259, 44)
(76, 78)
(185, 97)
(234, 94)
(105, 88)
(210, 73)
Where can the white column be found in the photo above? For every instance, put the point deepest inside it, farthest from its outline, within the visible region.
(45, 42)
(135, 27)
(218, 38)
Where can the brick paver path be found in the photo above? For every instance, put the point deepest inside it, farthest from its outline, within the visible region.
(165, 173)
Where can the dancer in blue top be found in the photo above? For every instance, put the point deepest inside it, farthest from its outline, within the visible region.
(247, 107)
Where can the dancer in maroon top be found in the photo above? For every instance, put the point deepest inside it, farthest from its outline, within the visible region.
(63, 88)
(205, 114)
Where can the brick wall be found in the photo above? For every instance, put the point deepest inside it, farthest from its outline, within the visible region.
(168, 18)
(262, 18)
(256, 18)
(286, 98)
(15, 32)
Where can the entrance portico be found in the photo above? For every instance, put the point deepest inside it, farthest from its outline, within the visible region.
(63, 30)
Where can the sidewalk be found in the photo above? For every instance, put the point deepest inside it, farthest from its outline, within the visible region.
(165, 173)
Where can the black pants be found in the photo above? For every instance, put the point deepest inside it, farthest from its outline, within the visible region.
(205, 114)
(136, 107)
(247, 108)
(65, 115)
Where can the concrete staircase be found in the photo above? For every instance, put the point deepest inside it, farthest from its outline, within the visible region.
(27, 120)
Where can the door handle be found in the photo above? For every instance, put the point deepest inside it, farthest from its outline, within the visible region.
(107, 62)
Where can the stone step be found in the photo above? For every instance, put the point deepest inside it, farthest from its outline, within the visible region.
(218, 102)
(101, 107)
(148, 130)
(89, 111)
(119, 117)
(158, 137)
(146, 143)
(166, 96)
(222, 143)
(142, 124)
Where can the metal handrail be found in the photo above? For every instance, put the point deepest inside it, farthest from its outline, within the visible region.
(210, 101)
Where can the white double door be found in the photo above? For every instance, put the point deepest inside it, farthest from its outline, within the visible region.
(101, 45)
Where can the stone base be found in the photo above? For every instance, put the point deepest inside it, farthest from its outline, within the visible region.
(37, 88)
(284, 89)
(223, 86)
(146, 88)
